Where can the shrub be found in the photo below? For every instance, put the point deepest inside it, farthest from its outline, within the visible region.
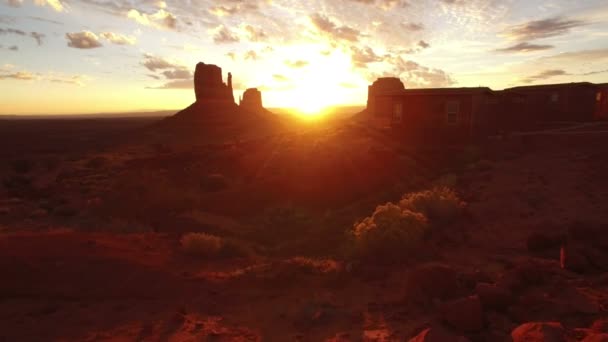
(390, 233)
(439, 205)
(201, 244)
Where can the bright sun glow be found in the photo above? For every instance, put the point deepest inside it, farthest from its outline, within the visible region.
(311, 89)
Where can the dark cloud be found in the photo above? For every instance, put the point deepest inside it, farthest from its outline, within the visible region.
(83, 40)
(419, 76)
(37, 36)
(542, 28)
(525, 47)
(177, 74)
(224, 35)
(544, 75)
(325, 25)
(154, 63)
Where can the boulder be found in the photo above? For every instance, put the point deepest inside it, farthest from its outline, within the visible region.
(438, 334)
(600, 325)
(465, 314)
(494, 297)
(539, 332)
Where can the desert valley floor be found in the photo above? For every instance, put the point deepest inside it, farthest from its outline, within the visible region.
(91, 216)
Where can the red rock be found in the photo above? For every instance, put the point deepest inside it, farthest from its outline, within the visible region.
(539, 332)
(430, 281)
(465, 314)
(438, 335)
(209, 86)
(596, 338)
(252, 100)
(494, 297)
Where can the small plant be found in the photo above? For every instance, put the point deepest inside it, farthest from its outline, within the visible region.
(439, 205)
(389, 234)
(201, 244)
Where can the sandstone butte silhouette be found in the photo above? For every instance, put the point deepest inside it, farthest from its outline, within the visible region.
(215, 100)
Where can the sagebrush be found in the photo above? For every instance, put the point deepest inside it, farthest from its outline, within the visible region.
(439, 205)
(201, 244)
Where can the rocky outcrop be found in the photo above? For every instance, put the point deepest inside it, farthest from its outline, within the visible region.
(539, 332)
(382, 86)
(209, 86)
(252, 100)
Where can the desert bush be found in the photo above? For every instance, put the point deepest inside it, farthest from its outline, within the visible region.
(439, 205)
(389, 234)
(201, 244)
(214, 183)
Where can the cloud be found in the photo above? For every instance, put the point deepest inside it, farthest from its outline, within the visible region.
(537, 29)
(57, 5)
(177, 74)
(15, 3)
(525, 47)
(250, 55)
(223, 35)
(333, 30)
(412, 26)
(118, 39)
(418, 76)
(280, 78)
(20, 75)
(384, 4)
(83, 40)
(161, 19)
(179, 84)
(240, 6)
(255, 34)
(154, 63)
(35, 35)
(296, 64)
(361, 57)
(547, 74)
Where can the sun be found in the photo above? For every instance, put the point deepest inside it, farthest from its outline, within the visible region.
(311, 108)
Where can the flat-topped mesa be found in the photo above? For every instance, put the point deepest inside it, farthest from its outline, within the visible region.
(252, 100)
(382, 86)
(209, 85)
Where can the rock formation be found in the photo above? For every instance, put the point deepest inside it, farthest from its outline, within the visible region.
(382, 86)
(252, 100)
(209, 86)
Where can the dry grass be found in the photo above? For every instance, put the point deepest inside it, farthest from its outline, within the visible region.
(201, 244)
(389, 234)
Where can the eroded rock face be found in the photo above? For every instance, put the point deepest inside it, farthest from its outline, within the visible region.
(382, 86)
(209, 85)
(252, 100)
(438, 334)
(465, 314)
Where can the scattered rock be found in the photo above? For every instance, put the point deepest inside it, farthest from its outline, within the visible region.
(493, 297)
(539, 332)
(431, 281)
(465, 314)
(438, 334)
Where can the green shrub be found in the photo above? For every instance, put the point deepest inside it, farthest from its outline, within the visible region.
(389, 234)
(439, 205)
(201, 244)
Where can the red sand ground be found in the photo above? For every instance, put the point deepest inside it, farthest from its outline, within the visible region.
(77, 286)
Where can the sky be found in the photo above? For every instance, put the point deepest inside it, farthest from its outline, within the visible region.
(99, 56)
